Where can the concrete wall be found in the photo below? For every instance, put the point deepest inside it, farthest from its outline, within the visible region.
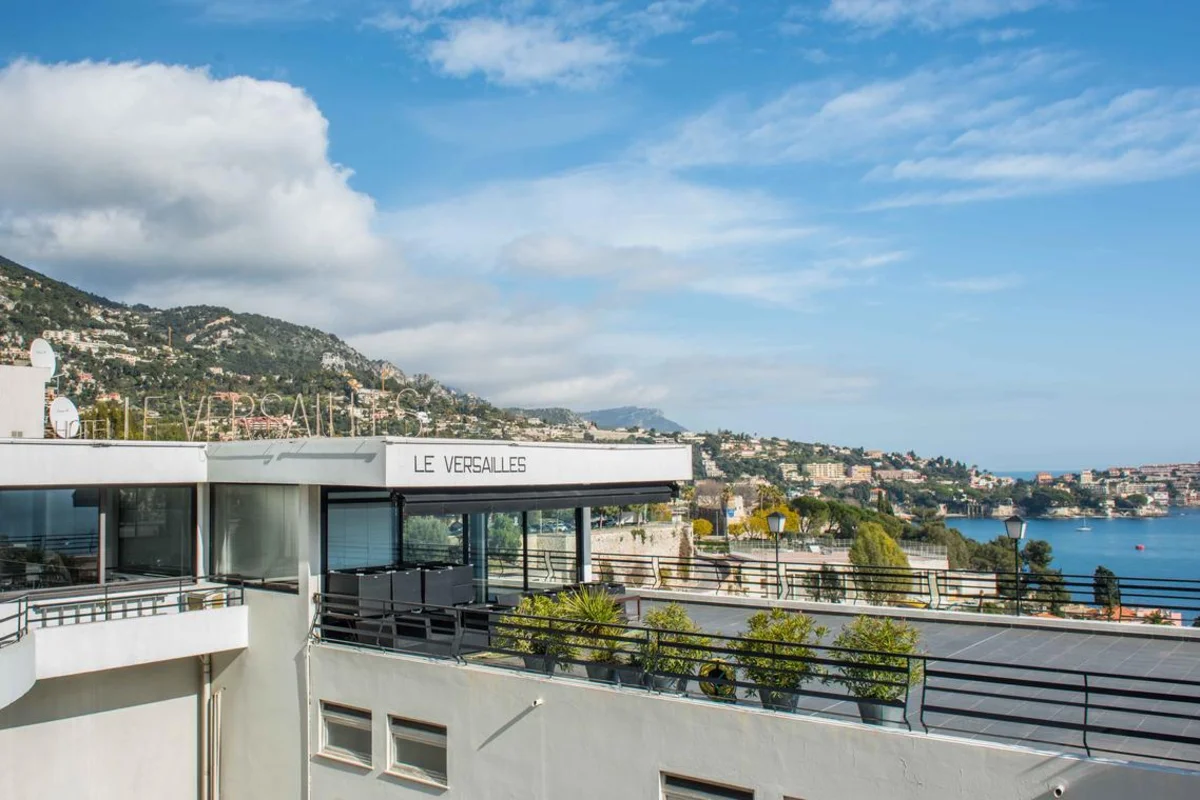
(94, 646)
(118, 734)
(78, 462)
(587, 741)
(662, 539)
(23, 401)
(262, 694)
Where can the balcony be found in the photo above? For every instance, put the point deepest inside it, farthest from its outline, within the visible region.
(115, 628)
(1141, 714)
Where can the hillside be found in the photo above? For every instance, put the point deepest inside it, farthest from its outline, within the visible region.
(109, 347)
(111, 351)
(633, 417)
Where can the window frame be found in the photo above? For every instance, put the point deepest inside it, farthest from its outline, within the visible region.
(702, 789)
(350, 717)
(428, 733)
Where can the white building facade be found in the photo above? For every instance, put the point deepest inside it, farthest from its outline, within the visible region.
(158, 603)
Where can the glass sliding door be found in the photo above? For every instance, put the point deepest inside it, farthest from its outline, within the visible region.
(552, 557)
(255, 532)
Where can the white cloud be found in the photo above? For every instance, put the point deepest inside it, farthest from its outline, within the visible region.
(578, 44)
(614, 206)
(1001, 126)
(662, 17)
(1003, 35)
(523, 54)
(855, 121)
(930, 15)
(983, 284)
(517, 359)
(159, 168)
(714, 37)
(815, 55)
(163, 184)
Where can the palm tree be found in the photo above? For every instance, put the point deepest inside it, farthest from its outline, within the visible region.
(726, 496)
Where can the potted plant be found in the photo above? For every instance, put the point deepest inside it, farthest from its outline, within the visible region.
(598, 628)
(776, 652)
(672, 647)
(878, 667)
(535, 630)
(716, 680)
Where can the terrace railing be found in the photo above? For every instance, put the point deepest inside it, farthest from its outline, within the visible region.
(28, 612)
(1125, 599)
(1067, 711)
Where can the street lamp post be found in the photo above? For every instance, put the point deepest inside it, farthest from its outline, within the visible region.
(776, 521)
(1014, 526)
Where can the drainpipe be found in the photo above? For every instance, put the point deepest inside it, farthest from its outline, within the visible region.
(205, 723)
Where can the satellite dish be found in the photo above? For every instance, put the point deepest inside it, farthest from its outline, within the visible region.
(41, 355)
(64, 418)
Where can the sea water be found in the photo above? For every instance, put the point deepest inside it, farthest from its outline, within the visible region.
(1172, 543)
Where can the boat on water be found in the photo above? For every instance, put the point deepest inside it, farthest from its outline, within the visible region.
(1084, 528)
(1139, 547)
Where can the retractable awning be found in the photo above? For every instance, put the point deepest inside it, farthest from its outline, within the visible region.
(475, 501)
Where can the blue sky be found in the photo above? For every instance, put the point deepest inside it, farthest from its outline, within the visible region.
(964, 227)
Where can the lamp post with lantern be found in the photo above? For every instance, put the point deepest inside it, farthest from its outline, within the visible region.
(1014, 527)
(776, 522)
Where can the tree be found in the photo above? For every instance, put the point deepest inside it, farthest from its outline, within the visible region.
(878, 562)
(426, 538)
(1049, 588)
(504, 535)
(1037, 555)
(702, 527)
(826, 585)
(770, 496)
(1106, 589)
(813, 515)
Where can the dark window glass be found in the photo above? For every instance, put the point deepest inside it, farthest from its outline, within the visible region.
(433, 539)
(48, 538)
(154, 533)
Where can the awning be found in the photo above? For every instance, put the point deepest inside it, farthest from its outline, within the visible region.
(476, 501)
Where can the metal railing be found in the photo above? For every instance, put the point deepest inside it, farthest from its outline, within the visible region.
(800, 544)
(1067, 711)
(34, 611)
(1068, 596)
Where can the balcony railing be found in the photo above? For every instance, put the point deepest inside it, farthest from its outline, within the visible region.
(111, 602)
(1066, 711)
(1123, 598)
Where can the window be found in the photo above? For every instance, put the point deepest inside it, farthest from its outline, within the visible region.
(676, 788)
(433, 539)
(255, 530)
(360, 530)
(154, 533)
(418, 751)
(346, 733)
(49, 538)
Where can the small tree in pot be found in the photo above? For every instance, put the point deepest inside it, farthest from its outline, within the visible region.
(776, 652)
(878, 666)
(672, 649)
(598, 627)
(535, 631)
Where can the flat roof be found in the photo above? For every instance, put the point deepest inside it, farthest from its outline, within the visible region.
(96, 462)
(382, 462)
(1141, 660)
